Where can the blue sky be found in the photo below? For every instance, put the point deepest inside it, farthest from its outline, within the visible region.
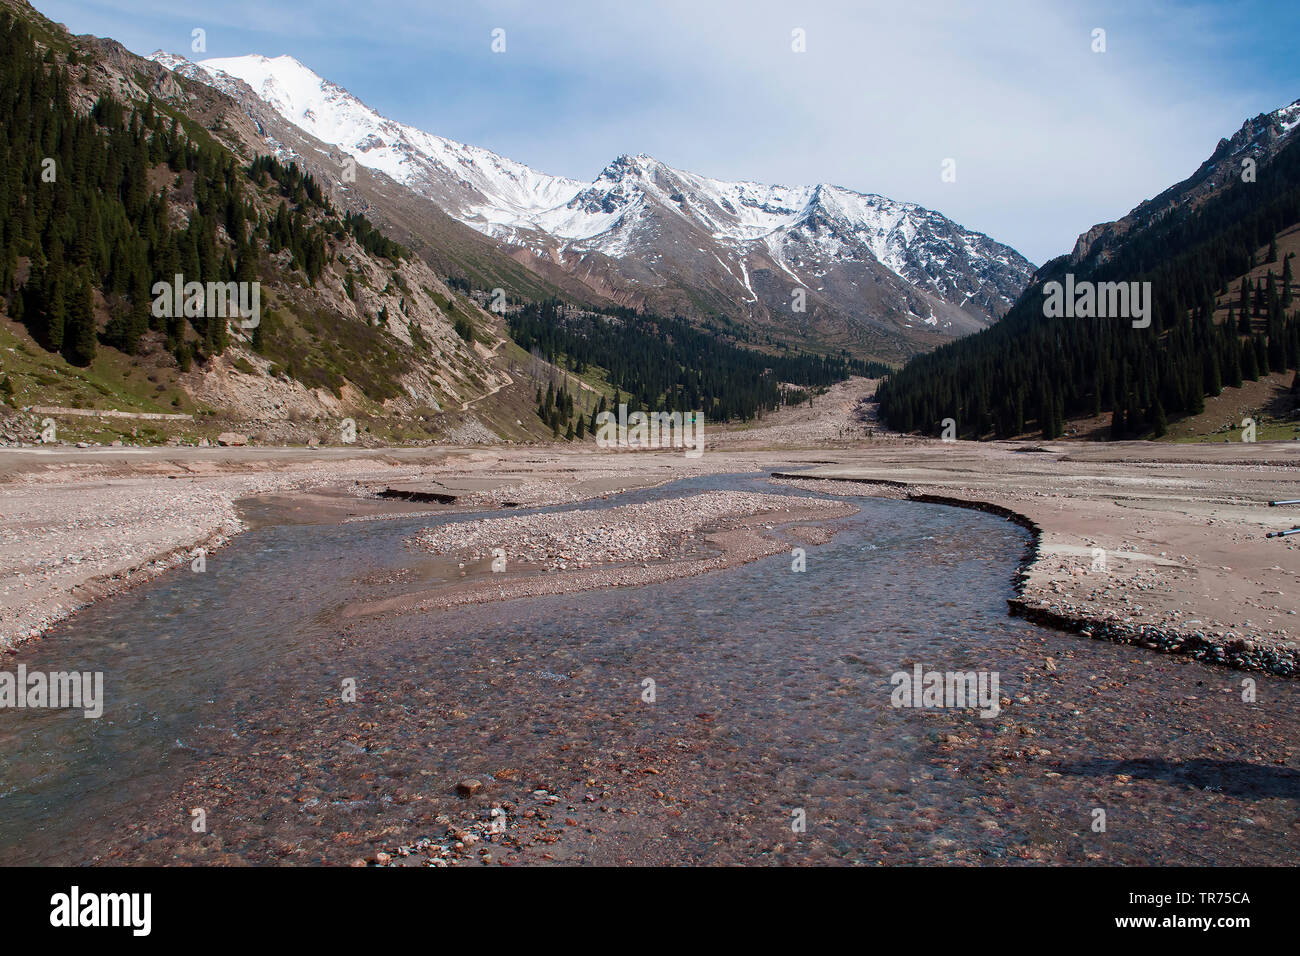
(1049, 137)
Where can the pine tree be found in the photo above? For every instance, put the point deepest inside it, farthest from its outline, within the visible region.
(1249, 365)
(55, 315)
(1213, 383)
(80, 339)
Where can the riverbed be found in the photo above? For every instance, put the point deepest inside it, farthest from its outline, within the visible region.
(771, 736)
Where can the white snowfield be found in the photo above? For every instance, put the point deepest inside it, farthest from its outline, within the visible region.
(615, 214)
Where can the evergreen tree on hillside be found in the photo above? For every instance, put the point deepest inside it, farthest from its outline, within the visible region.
(1074, 367)
(664, 364)
(76, 203)
(79, 338)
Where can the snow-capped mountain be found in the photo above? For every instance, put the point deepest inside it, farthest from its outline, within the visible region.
(475, 185)
(802, 230)
(871, 268)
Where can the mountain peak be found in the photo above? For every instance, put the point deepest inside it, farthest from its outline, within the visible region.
(627, 162)
(293, 89)
(652, 225)
(283, 61)
(1288, 116)
(170, 60)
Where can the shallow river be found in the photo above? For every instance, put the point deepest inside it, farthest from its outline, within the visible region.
(772, 705)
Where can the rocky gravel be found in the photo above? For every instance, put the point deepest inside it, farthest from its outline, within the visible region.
(650, 531)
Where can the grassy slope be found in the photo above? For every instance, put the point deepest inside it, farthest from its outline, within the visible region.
(112, 381)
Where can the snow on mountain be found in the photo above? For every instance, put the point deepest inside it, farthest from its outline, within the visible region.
(487, 187)
(663, 226)
(1288, 116)
(169, 60)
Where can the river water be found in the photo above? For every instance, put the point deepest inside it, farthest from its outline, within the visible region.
(772, 707)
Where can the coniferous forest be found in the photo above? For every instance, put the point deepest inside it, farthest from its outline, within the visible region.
(1033, 372)
(84, 199)
(667, 364)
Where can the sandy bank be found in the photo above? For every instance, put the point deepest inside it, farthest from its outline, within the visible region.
(1154, 545)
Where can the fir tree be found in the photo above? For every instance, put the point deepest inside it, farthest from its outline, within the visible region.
(80, 340)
